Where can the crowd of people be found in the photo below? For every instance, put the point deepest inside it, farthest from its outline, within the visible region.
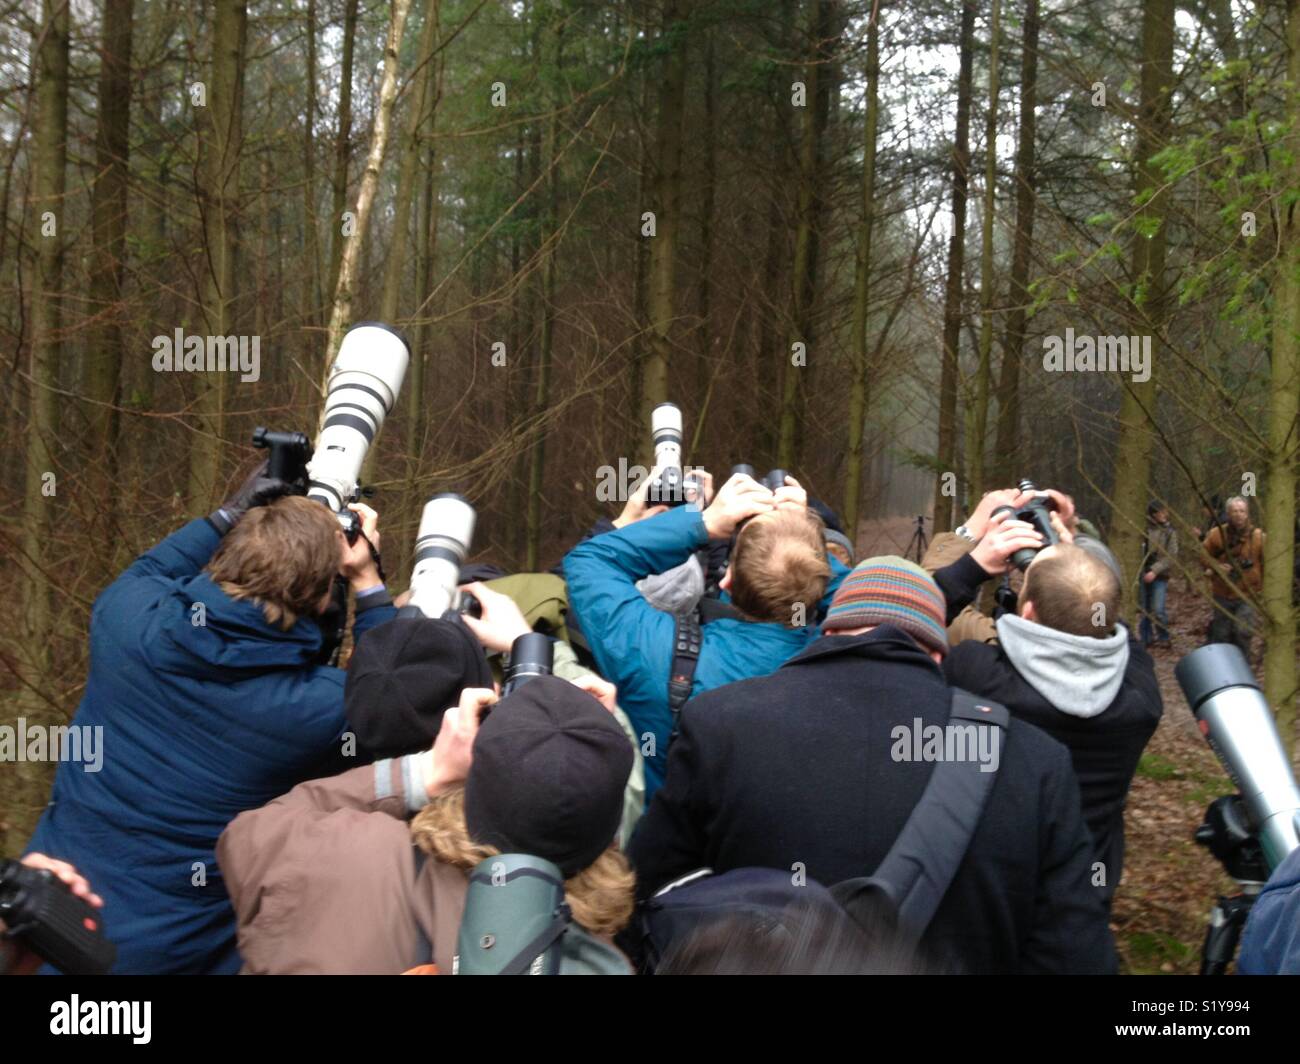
(740, 718)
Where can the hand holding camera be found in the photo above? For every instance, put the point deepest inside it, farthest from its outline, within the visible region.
(500, 622)
(1005, 538)
(739, 498)
(358, 563)
(637, 507)
(447, 763)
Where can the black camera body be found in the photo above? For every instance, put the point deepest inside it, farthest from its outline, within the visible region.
(1037, 512)
(52, 922)
(287, 461)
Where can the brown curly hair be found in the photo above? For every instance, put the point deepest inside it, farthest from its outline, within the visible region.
(600, 896)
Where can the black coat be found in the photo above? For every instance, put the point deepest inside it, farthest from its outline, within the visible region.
(796, 768)
(1103, 749)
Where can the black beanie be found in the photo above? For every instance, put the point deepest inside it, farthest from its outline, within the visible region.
(547, 779)
(403, 675)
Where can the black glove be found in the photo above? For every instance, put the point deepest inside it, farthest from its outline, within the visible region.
(258, 490)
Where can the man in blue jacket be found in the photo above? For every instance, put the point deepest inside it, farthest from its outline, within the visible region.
(1270, 944)
(203, 677)
(777, 579)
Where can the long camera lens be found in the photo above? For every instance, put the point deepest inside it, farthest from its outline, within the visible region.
(446, 532)
(363, 387)
(531, 655)
(666, 434)
(1234, 717)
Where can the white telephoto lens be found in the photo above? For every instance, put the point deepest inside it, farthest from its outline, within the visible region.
(666, 431)
(443, 542)
(363, 388)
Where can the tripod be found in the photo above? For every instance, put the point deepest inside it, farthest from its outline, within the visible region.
(918, 540)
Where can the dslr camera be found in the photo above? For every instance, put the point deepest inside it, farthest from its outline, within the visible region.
(672, 487)
(1037, 512)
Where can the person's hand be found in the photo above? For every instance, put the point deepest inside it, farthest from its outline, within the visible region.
(258, 489)
(636, 507)
(791, 496)
(739, 498)
(1004, 537)
(1148, 577)
(356, 563)
(1065, 535)
(447, 763)
(1064, 504)
(24, 961)
(705, 480)
(978, 522)
(601, 690)
(502, 621)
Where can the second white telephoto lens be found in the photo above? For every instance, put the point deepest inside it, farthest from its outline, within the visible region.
(443, 542)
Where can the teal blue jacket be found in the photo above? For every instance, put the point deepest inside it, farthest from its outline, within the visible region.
(633, 642)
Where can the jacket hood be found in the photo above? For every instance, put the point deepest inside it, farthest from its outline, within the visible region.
(233, 634)
(1078, 674)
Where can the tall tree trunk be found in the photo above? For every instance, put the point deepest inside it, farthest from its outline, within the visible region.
(219, 150)
(1148, 293)
(341, 311)
(541, 399)
(946, 453)
(311, 293)
(49, 164)
(858, 393)
(421, 99)
(803, 282)
(108, 205)
(667, 199)
(1007, 446)
(1284, 438)
(704, 291)
(979, 423)
(342, 148)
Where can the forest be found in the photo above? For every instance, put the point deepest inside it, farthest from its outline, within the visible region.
(908, 250)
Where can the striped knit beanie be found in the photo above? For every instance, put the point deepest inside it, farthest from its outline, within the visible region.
(891, 590)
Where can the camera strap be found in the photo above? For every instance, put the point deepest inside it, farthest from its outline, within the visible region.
(688, 635)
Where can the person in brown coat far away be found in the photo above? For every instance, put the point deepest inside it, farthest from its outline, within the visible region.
(367, 872)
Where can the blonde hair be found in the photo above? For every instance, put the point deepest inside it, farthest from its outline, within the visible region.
(600, 896)
(779, 561)
(281, 557)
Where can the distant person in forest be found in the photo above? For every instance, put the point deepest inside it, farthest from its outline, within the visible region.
(206, 681)
(1159, 549)
(1234, 554)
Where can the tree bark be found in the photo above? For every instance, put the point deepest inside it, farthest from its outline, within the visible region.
(1148, 294)
(667, 198)
(342, 146)
(946, 452)
(219, 151)
(341, 311)
(1280, 678)
(405, 195)
(108, 205)
(311, 297)
(979, 425)
(1007, 447)
(859, 394)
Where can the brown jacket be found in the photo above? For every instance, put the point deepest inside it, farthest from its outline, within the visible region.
(946, 548)
(323, 880)
(1221, 546)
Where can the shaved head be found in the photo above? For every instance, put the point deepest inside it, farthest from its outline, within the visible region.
(1072, 591)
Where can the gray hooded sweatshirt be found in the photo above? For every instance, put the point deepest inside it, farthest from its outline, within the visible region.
(1078, 674)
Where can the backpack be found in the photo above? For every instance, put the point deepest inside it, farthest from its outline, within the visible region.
(904, 892)
(516, 922)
